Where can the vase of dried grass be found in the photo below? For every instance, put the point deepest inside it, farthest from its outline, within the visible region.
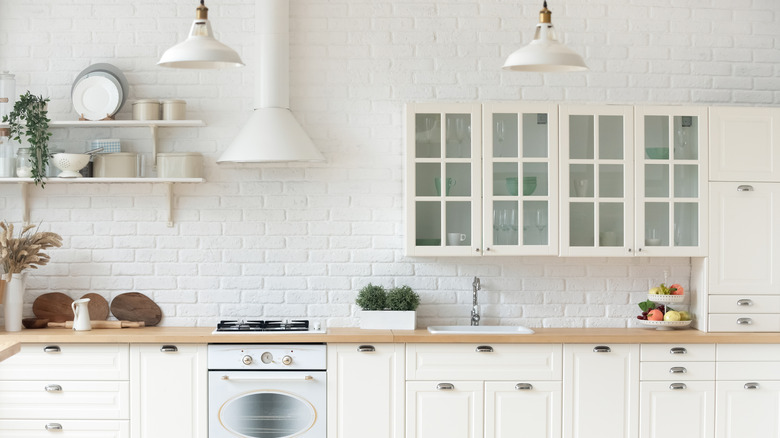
(13, 304)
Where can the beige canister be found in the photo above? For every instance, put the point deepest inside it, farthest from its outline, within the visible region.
(118, 165)
(173, 109)
(180, 165)
(146, 109)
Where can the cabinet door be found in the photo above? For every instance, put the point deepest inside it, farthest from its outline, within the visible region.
(365, 390)
(745, 144)
(597, 191)
(520, 188)
(671, 181)
(531, 407)
(677, 409)
(745, 240)
(443, 179)
(444, 409)
(601, 391)
(64, 399)
(168, 388)
(65, 428)
(67, 362)
(747, 409)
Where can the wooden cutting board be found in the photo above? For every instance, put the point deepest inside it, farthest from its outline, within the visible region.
(135, 306)
(54, 306)
(97, 306)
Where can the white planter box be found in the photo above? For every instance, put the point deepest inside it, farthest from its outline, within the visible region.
(388, 319)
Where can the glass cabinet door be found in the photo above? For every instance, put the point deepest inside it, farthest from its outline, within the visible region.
(443, 197)
(671, 181)
(520, 156)
(596, 180)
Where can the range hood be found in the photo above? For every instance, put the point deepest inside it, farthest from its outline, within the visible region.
(272, 134)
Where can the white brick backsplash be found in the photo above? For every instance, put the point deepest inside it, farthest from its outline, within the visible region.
(293, 240)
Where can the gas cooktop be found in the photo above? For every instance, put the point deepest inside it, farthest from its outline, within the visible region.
(265, 327)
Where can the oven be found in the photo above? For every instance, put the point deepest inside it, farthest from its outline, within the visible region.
(267, 390)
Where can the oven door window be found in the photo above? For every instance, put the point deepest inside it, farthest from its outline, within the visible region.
(267, 414)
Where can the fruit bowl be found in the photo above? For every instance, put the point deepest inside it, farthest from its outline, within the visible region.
(70, 164)
(658, 298)
(665, 325)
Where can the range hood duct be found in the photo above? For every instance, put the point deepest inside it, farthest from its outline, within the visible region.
(272, 134)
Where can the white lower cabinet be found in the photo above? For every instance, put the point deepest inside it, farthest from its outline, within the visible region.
(365, 390)
(65, 428)
(169, 385)
(533, 408)
(444, 409)
(683, 409)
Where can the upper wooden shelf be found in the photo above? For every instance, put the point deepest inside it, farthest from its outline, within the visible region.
(120, 123)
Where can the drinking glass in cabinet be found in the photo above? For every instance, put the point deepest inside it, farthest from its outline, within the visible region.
(657, 223)
(428, 135)
(611, 231)
(535, 223)
(459, 220)
(581, 180)
(458, 179)
(458, 136)
(505, 225)
(448, 184)
(428, 223)
(505, 136)
(428, 176)
(686, 137)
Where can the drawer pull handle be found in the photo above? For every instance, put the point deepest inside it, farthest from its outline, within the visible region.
(484, 349)
(54, 426)
(169, 349)
(523, 386)
(602, 349)
(744, 302)
(678, 386)
(678, 350)
(51, 349)
(751, 385)
(745, 188)
(744, 321)
(366, 349)
(678, 370)
(445, 386)
(53, 388)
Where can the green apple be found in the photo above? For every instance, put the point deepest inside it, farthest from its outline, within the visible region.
(685, 316)
(655, 290)
(672, 315)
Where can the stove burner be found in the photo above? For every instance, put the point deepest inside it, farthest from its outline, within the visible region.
(263, 326)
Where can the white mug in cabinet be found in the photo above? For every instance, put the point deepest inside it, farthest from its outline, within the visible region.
(118, 165)
(180, 165)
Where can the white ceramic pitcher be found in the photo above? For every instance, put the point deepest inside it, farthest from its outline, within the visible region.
(81, 315)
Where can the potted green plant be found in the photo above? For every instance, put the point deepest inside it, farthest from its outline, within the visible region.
(29, 120)
(395, 309)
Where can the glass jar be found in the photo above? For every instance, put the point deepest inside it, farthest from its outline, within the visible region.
(7, 154)
(23, 163)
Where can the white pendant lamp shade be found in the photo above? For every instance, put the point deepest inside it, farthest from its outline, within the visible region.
(545, 53)
(200, 50)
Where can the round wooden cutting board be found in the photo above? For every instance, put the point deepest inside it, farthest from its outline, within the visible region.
(98, 307)
(135, 306)
(54, 306)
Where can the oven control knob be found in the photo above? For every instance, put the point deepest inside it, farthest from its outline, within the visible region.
(247, 360)
(287, 360)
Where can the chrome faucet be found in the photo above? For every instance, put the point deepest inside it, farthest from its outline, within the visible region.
(475, 307)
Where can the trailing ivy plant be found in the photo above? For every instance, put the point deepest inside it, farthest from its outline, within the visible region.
(29, 120)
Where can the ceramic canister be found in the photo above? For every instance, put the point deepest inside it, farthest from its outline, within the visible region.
(117, 165)
(146, 109)
(180, 165)
(173, 109)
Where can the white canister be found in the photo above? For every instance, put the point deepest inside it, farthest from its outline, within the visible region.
(118, 165)
(180, 165)
(146, 109)
(173, 109)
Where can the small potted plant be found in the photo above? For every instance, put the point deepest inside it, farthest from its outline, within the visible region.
(29, 120)
(388, 310)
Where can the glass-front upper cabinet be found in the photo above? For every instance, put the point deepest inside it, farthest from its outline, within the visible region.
(520, 184)
(671, 181)
(443, 179)
(596, 166)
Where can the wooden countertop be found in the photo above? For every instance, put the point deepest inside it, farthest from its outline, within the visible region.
(202, 335)
(8, 349)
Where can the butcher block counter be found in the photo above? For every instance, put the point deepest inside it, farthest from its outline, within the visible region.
(203, 335)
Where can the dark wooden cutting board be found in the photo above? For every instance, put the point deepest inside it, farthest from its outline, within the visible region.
(135, 306)
(97, 306)
(54, 306)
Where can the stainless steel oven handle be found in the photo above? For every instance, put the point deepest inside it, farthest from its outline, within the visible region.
(269, 378)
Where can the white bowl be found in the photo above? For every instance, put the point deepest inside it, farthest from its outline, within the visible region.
(70, 164)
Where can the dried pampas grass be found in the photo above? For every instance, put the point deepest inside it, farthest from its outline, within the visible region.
(25, 251)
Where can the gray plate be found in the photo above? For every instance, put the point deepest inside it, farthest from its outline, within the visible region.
(112, 70)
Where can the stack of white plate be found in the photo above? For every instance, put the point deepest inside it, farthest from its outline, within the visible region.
(99, 91)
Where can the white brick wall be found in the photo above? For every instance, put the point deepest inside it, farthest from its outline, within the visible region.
(285, 241)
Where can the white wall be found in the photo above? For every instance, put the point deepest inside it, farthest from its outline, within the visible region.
(285, 241)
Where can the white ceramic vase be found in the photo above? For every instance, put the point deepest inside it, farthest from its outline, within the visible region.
(13, 304)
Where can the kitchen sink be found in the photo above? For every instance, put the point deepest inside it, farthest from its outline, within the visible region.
(480, 329)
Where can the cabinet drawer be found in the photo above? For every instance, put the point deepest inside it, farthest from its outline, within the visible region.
(68, 362)
(74, 400)
(748, 371)
(745, 304)
(682, 371)
(677, 352)
(744, 323)
(748, 352)
(483, 362)
(65, 428)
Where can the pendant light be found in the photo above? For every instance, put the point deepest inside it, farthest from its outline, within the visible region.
(545, 53)
(200, 50)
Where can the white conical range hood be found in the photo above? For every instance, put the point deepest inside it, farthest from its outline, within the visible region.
(272, 134)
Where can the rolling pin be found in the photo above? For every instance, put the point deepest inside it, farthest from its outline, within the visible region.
(101, 324)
